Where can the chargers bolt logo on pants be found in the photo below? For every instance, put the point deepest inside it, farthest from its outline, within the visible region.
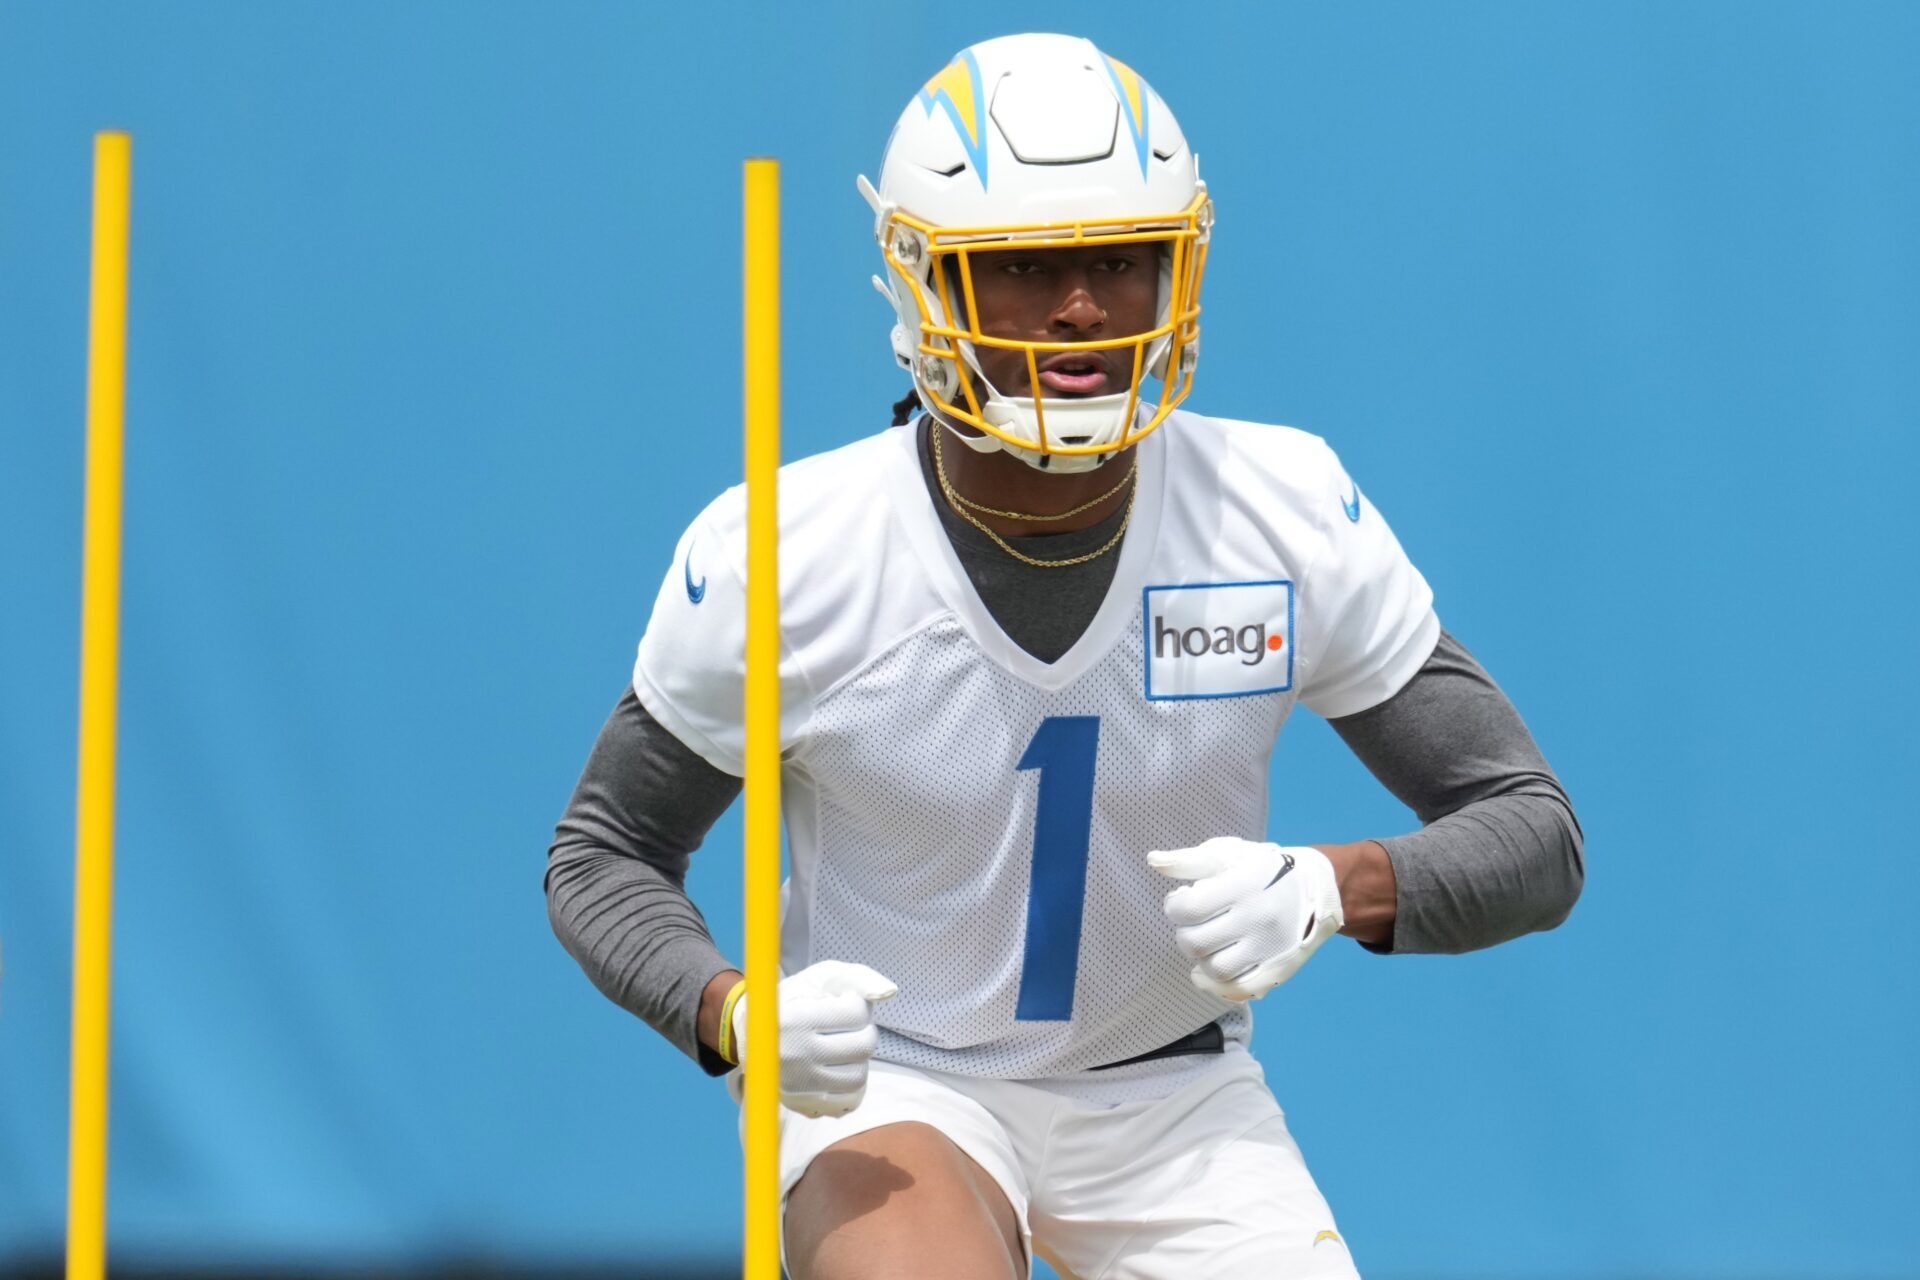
(1218, 639)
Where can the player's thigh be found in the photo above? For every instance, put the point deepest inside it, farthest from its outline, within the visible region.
(1252, 1211)
(900, 1200)
(935, 1155)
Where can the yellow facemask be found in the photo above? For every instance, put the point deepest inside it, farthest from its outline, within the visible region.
(928, 261)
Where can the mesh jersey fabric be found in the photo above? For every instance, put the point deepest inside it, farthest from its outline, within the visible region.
(878, 801)
(910, 722)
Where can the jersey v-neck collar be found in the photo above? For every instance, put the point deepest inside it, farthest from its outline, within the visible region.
(929, 540)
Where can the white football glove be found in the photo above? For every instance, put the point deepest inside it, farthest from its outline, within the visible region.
(826, 1035)
(1253, 913)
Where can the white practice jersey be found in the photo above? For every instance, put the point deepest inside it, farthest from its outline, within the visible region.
(973, 822)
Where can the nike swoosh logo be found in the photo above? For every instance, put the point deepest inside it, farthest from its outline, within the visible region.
(695, 592)
(1352, 508)
(1281, 874)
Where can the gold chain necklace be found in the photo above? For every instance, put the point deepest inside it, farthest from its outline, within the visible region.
(1090, 504)
(961, 504)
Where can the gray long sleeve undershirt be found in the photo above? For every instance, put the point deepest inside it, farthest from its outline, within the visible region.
(1499, 853)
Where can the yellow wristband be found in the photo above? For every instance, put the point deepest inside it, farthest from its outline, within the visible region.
(724, 1041)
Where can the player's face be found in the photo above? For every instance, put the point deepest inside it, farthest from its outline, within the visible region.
(1080, 294)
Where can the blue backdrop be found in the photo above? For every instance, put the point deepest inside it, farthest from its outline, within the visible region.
(1612, 308)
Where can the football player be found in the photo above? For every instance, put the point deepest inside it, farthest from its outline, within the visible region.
(1038, 640)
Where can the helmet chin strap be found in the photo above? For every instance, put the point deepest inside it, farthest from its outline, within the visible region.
(1017, 413)
(1068, 421)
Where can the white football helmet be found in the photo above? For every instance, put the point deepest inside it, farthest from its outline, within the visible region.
(1045, 142)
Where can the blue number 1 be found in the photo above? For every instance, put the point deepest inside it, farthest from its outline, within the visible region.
(1062, 750)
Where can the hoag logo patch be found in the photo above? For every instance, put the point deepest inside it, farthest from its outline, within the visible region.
(1218, 639)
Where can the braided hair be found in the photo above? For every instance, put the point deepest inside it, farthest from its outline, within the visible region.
(905, 407)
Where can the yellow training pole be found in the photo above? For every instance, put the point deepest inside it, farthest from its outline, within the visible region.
(762, 271)
(99, 683)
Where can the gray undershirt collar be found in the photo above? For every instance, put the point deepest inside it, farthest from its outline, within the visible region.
(1044, 611)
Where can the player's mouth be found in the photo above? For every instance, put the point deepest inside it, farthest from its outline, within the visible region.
(1076, 373)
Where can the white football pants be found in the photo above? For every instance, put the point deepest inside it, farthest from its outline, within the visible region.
(1205, 1182)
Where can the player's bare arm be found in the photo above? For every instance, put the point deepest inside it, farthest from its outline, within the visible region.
(1365, 875)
